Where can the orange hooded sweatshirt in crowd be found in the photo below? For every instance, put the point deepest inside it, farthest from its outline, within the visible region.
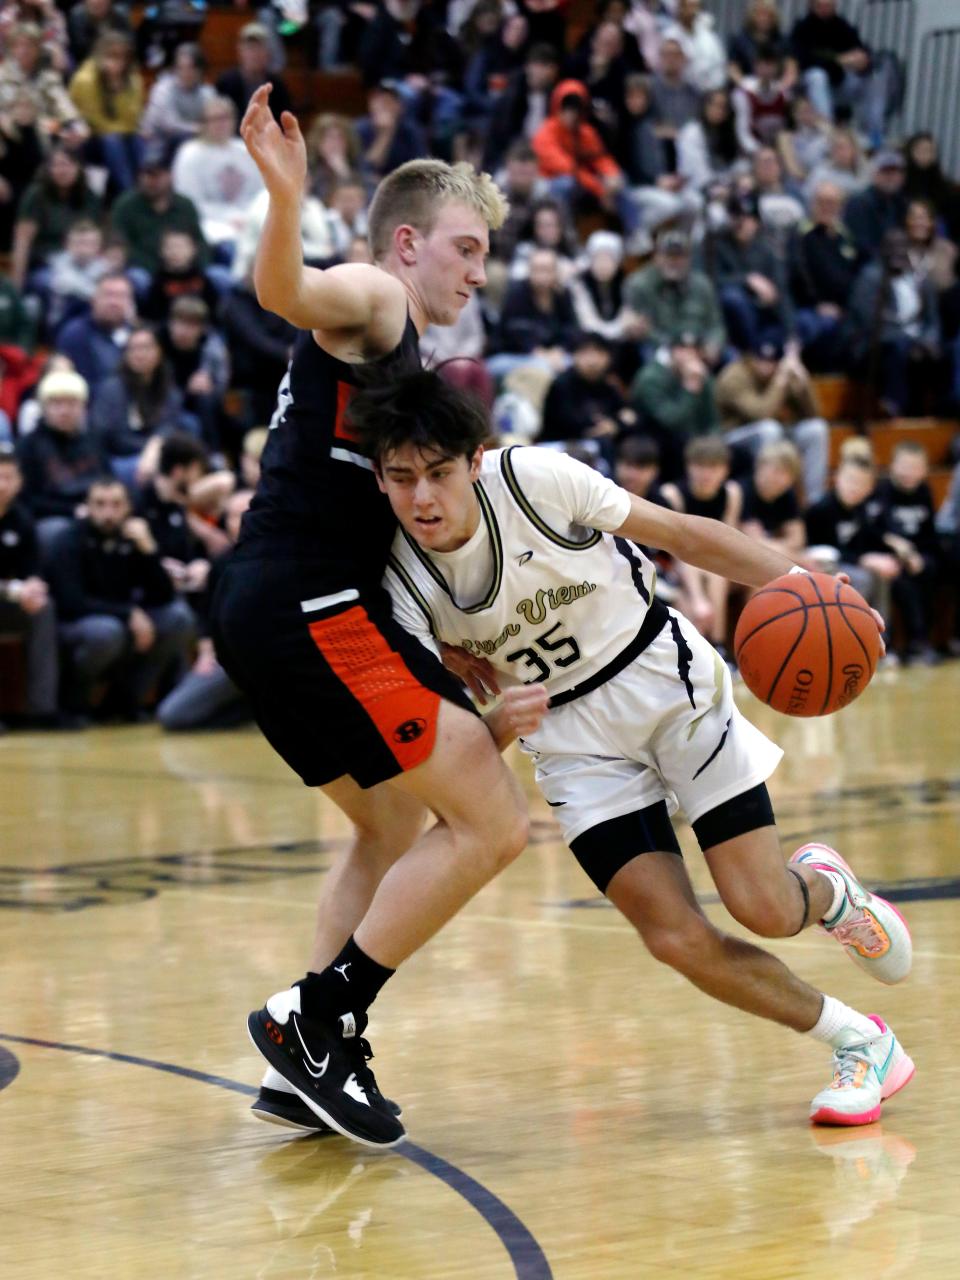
(579, 152)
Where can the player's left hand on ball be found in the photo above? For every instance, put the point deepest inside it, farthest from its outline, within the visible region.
(877, 617)
(476, 673)
(524, 707)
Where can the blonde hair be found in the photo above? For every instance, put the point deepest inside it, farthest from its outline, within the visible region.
(781, 453)
(254, 442)
(413, 194)
(858, 451)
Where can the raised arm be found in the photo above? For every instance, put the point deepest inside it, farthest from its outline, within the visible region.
(353, 296)
(707, 544)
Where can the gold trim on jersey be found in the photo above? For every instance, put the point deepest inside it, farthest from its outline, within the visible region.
(520, 498)
(414, 591)
(496, 545)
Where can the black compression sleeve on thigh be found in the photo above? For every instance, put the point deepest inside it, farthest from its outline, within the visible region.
(746, 812)
(604, 849)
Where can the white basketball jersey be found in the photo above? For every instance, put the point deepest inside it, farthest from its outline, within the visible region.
(558, 601)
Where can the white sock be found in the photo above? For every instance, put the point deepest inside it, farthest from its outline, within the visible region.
(835, 911)
(272, 1079)
(837, 1021)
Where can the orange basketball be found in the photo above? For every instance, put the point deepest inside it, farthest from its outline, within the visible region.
(807, 644)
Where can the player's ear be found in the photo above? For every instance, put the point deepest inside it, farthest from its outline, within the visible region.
(379, 474)
(475, 463)
(405, 243)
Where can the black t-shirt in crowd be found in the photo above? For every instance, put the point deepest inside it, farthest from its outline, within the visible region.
(773, 514)
(854, 531)
(18, 544)
(910, 514)
(170, 528)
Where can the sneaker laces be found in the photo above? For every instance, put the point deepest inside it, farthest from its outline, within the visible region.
(360, 1054)
(851, 1064)
(863, 931)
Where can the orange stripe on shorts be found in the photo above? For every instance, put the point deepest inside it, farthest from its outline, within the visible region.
(404, 712)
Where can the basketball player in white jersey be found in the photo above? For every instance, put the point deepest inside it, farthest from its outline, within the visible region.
(528, 558)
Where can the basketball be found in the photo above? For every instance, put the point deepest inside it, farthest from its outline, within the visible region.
(807, 644)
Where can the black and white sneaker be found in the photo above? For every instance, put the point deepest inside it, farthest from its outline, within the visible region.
(279, 1103)
(327, 1066)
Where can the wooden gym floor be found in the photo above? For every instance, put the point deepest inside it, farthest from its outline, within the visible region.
(574, 1110)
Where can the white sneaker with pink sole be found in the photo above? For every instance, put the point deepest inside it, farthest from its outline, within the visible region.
(866, 1072)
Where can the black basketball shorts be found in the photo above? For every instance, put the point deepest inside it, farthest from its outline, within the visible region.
(337, 686)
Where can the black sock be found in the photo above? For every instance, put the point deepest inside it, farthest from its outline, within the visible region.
(349, 985)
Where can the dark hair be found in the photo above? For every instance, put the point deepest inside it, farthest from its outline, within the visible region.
(639, 451)
(180, 450)
(107, 481)
(418, 407)
(543, 53)
(76, 193)
(148, 397)
(722, 142)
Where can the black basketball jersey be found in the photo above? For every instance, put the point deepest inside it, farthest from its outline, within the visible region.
(711, 508)
(318, 498)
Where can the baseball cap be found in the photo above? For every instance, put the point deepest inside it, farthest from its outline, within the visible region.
(744, 205)
(768, 350)
(154, 157)
(674, 242)
(253, 31)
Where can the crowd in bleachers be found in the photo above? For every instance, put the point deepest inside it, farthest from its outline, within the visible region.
(697, 226)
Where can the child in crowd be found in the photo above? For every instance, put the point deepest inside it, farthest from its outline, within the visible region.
(181, 275)
(706, 490)
(74, 272)
(771, 508)
(907, 520)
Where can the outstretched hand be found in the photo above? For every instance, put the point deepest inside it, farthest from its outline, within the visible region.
(278, 150)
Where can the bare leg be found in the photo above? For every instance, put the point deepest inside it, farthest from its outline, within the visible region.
(654, 893)
(481, 827)
(386, 823)
(759, 890)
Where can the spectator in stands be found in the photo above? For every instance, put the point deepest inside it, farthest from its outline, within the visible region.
(771, 508)
(675, 101)
(316, 233)
(844, 167)
(119, 620)
(75, 272)
(932, 256)
(107, 90)
(181, 275)
(333, 153)
(183, 540)
(637, 467)
(805, 143)
(21, 155)
(138, 403)
(844, 535)
(537, 324)
(346, 214)
(524, 105)
(767, 395)
(546, 21)
(708, 153)
(822, 264)
(655, 194)
(618, 13)
(406, 41)
(88, 20)
(706, 490)
(176, 103)
(761, 102)
(760, 32)
(645, 22)
(25, 605)
(749, 278)
(217, 173)
(254, 57)
(672, 300)
(895, 329)
(200, 363)
(549, 227)
(582, 403)
(837, 68)
(493, 49)
(522, 185)
(948, 529)
(49, 22)
(598, 296)
(673, 396)
(387, 138)
(925, 180)
(881, 207)
(779, 198)
(95, 342)
(59, 457)
(260, 343)
(571, 153)
(603, 66)
(24, 70)
(142, 216)
(907, 521)
(206, 697)
(58, 197)
(696, 33)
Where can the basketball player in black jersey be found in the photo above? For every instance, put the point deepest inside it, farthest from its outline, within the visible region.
(302, 625)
